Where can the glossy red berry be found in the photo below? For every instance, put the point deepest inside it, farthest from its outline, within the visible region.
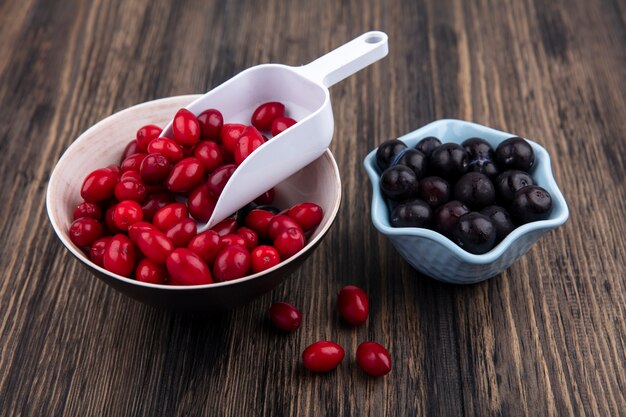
(154, 168)
(150, 272)
(279, 223)
(168, 148)
(259, 220)
(99, 185)
(373, 359)
(109, 222)
(218, 179)
(130, 189)
(119, 256)
(170, 215)
(210, 154)
(247, 143)
(211, 122)
(86, 209)
(136, 228)
(96, 252)
(201, 203)
(250, 238)
(126, 213)
(186, 268)
(307, 215)
(285, 316)
(353, 304)
(186, 128)
(154, 203)
(280, 124)
(322, 356)
(131, 148)
(180, 234)
(185, 175)
(207, 245)
(226, 227)
(145, 135)
(231, 263)
(289, 242)
(232, 239)
(132, 163)
(263, 257)
(265, 114)
(231, 132)
(155, 245)
(84, 231)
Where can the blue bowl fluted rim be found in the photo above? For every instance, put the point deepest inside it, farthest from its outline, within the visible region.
(380, 213)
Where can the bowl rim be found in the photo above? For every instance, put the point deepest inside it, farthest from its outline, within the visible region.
(79, 254)
(379, 209)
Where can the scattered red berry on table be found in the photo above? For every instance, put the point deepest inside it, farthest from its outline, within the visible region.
(373, 358)
(322, 356)
(353, 305)
(285, 316)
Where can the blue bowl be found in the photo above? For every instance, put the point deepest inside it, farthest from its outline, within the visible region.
(437, 256)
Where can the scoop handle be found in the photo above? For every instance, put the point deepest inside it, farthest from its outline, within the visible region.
(347, 59)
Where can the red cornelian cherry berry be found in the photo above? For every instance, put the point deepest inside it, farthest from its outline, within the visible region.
(218, 179)
(211, 122)
(250, 238)
(185, 175)
(96, 252)
(280, 124)
(155, 245)
(187, 268)
(285, 316)
(84, 231)
(186, 128)
(232, 239)
(322, 356)
(210, 154)
(170, 215)
(279, 223)
(119, 256)
(154, 168)
(132, 163)
(247, 143)
(201, 203)
(307, 215)
(130, 189)
(126, 213)
(145, 135)
(231, 132)
(182, 233)
(168, 148)
(265, 114)
(86, 209)
(154, 203)
(231, 263)
(150, 272)
(258, 220)
(99, 185)
(136, 228)
(263, 257)
(289, 242)
(131, 148)
(266, 198)
(207, 245)
(353, 304)
(373, 358)
(108, 220)
(226, 227)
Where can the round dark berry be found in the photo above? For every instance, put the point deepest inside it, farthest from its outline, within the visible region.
(530, 204)
(447, 216)
(509, 182)
(434, 190)
(412, 213)
(387, 151)
(515, 153)
(475, 190)
(449, 161)
(428, 145)
(501, 220)
(475, 233)
(478, 149)
(413, 159)
(399, 183)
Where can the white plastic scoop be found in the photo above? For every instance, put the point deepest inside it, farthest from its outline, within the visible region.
(304, 91)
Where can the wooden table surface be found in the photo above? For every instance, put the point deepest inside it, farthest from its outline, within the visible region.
(545, 338)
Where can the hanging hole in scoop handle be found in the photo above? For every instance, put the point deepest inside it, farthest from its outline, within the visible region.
(347, 59)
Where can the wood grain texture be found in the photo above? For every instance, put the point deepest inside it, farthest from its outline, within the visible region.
(547, 337)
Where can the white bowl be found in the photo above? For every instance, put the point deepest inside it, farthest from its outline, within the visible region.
(437, 256)
(102, 145)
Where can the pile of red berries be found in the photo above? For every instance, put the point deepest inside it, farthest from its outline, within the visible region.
(471, 193)
(324, 356)
(135, 217)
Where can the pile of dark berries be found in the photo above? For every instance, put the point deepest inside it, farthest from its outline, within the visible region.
(470, 193)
